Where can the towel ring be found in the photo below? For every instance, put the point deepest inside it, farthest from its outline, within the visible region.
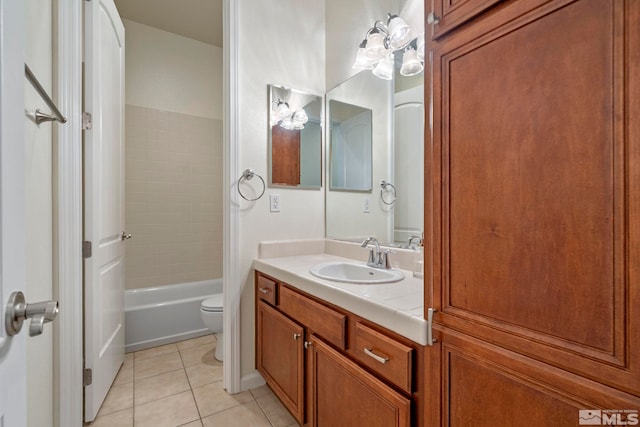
(247, 175)
(384, 186)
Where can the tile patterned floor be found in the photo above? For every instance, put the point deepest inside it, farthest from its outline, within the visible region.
(181, 385)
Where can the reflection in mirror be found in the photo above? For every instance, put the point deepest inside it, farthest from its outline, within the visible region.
(295, 138)
(392, 212)
(350, 145)
(355, 215)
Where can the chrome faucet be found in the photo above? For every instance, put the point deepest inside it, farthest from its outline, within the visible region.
(379, 259)
(412, 238)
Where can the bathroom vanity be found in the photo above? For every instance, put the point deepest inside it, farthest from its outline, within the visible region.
(322, 350)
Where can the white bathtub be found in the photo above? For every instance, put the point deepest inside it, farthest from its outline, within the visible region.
(165, 314)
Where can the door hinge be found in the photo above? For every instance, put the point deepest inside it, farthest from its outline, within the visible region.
(87, 121)
(430, 339)
(87, 377)
(86, 249)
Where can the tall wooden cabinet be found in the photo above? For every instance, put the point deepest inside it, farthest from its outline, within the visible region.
(533, 211)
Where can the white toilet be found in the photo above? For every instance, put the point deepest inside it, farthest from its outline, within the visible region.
(211, 314)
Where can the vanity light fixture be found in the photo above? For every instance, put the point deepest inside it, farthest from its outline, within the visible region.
(282, 115)
(376, 51)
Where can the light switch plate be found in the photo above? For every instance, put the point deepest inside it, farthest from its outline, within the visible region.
(365, 206)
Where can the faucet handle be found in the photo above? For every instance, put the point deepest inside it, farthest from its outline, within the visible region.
(372, 259)
(385, 258)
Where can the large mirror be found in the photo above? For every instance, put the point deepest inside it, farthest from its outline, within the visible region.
(350, 151)
(295, 138)
(392, 209)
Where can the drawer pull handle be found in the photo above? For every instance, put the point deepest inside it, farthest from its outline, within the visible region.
(296, 336)
(369, 352)
(265, 290)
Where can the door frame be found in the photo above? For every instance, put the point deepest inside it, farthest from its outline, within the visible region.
(68, 284)
(68, 341)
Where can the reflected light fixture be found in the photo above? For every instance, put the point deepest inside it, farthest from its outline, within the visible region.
(282, 115)
(384, 69)
(411, 65)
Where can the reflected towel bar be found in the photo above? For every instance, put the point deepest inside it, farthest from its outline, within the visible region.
(38, 116)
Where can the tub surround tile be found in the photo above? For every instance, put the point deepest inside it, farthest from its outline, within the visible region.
(202, 374)
(213, 398)
(119, 397)
(159, 386)
(170, 411)
(120, 419)
(155, 351)
(248, 414)
(157, 365)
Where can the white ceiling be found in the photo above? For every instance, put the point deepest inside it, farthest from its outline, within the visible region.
(197, 19)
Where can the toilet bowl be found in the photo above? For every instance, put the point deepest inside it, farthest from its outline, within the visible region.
(211, 314)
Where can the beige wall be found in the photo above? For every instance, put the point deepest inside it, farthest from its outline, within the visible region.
(281, 42)
(171, 72)
(39, 214)
(173, 158)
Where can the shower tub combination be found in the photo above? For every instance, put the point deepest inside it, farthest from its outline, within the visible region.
(165, 314)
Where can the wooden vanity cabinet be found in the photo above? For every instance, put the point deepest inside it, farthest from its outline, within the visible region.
(312, 355)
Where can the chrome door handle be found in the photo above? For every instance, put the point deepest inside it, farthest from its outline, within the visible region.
(125, 235)
(18, 311)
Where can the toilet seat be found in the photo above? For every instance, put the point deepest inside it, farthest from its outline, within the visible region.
(213, 304)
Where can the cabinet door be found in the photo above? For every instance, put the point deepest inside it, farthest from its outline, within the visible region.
(280, 357)
(536, 188)
(344, 394)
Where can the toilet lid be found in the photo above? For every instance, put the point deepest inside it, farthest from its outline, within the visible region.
(214, 303)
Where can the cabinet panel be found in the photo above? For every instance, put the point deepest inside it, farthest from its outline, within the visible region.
(364, 400)
(320, 319)
(280, 357)
(453, 13)
(531, 188)
(484, 385)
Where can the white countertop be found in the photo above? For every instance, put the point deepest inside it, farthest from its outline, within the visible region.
(396, 306)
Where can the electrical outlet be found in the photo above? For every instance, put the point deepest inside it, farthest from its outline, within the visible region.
(275, 202)
(365, 206)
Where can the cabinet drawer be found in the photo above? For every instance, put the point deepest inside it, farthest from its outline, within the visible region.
(266, 289)
(386, 356)
(325, 322)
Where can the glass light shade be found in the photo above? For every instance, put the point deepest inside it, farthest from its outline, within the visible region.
(291, 124)
(362, 62)
(282, 110)
(400, 34)
(300, 116)
(384, 69)
(410, 63)
(420, 45)
(375, 49)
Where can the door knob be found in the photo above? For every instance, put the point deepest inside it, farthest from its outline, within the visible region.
(18, 311)
(125, 235)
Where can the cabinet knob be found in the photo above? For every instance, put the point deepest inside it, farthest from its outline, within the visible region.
(296, 336)
(307, 344)
(432, 18)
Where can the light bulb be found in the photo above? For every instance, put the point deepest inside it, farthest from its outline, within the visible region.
(400, 34)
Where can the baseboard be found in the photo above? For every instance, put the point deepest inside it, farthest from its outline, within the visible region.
(143, 345)
(252, 380)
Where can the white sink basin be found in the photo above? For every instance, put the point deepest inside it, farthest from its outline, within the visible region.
(350, 272)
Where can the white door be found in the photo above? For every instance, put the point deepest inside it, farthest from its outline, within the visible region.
(408, 148)
(13, 377)
(103, 199)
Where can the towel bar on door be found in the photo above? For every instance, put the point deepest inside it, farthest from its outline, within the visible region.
(38, 116)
